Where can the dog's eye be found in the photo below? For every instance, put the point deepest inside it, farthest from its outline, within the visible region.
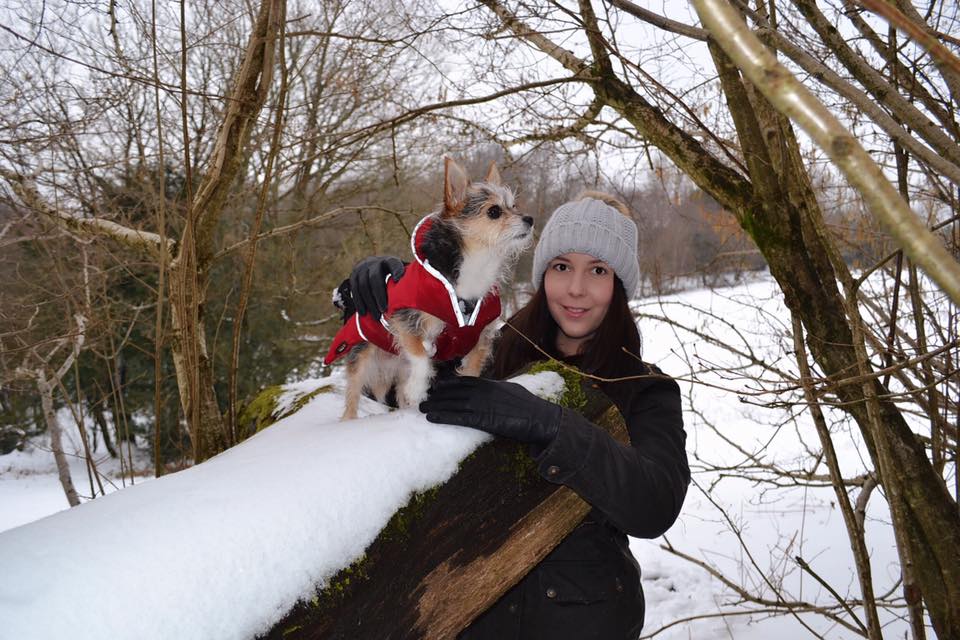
(494, 212)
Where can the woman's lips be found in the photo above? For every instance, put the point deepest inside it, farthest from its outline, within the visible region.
(574, 312)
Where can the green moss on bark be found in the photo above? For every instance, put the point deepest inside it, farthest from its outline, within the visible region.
(399, 526)
(262, 411)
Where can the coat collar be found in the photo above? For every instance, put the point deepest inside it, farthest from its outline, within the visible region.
(458, 306)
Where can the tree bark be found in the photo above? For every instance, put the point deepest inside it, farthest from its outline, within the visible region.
(452, 552)
(855, 529)
(192, 365)
(789, 96)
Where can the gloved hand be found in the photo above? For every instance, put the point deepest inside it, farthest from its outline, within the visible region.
(368, 283)
(501, 408)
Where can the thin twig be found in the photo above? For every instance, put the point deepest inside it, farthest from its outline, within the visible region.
(806, 567)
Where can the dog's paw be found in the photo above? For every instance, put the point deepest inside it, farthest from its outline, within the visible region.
(415, 391)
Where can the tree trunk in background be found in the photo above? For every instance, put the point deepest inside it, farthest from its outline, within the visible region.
(56, 438)
(452, 552)
(192, 362)
(189, 270)
(45, 385)
(101, 420)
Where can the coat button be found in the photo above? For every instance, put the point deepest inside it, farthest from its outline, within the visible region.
(553, 471)
(512, 608)
(551, 593)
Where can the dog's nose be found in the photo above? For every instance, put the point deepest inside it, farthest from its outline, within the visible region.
(528, 220)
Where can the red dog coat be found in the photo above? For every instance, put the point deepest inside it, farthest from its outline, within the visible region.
(423, 288)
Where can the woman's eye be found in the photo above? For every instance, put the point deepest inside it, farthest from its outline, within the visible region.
(559, 267)
(494, 212)
(600, 271)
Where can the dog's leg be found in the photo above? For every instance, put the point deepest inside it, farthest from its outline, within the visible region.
(385, 373)
(474, 361)
(417, 348)
(414, 388)
(357, 370)
(380, 390)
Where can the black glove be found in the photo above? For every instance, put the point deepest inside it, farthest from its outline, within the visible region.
(501, 408)
(368, 283)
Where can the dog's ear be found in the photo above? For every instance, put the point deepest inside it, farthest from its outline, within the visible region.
(455, 184)
(493, 175)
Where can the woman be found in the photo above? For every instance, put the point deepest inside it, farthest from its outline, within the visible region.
(585, 265)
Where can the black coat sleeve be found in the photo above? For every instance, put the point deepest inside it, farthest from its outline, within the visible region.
(640, 487)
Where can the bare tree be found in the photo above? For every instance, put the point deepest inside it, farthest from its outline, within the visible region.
(39, 368)
(178, 115)
(38, 345)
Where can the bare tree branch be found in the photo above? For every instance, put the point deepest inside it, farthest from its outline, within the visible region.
(134, 238)
(794, 100)
(948, 63)
(878, 87)
(662, 22)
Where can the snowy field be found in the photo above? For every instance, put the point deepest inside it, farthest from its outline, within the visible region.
(284, 505)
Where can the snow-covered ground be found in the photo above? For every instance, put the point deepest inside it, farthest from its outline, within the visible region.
(193, 535)
(30, 488)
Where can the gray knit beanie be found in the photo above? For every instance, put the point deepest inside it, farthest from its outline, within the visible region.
(590, 226)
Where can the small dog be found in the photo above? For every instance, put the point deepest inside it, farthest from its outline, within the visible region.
(445, 304)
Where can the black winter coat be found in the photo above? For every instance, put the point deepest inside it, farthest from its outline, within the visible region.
(589, 586)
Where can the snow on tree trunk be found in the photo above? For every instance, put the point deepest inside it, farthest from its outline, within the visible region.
(452, 551)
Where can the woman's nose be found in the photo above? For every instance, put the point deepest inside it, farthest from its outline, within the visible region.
(576, 284)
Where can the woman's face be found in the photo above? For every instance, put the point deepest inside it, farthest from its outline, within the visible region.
(579, 288)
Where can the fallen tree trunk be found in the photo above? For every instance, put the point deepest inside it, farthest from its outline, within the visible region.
(453, 551)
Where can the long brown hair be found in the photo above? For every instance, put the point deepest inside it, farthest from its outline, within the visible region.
(603, 354)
